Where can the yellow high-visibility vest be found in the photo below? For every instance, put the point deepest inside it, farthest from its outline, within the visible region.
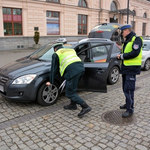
(66, 57)
(137, 61)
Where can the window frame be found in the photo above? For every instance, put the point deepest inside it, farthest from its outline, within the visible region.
(81, 3)
(52, 1)
(101, 44)
(144, 29)
(79, 53)
(89, 51)
(82, 25)
(145, 15)
(52, 22)
(12, 21)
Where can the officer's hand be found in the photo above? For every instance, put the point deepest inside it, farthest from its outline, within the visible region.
(119, 56)
(48, 83)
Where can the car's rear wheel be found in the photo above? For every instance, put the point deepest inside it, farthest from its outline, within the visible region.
(113, 75)
(147, 65)
(47, 95)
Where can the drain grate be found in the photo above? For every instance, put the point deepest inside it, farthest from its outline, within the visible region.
(115, 117)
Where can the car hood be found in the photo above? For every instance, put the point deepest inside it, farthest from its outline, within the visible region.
(25, 66)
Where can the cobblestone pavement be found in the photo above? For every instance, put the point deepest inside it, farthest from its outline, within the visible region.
(33, 127)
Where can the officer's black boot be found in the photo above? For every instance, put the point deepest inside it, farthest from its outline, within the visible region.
(123, 106)
(71, 106)
(127, 114)
(85, 109)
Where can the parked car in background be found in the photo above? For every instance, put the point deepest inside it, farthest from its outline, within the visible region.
(146, 55)
(24, 79)
(106, 30)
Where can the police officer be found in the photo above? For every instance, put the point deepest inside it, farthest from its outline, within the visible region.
(66, 63)
(131, 57)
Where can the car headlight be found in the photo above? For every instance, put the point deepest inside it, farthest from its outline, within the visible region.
(26, 79)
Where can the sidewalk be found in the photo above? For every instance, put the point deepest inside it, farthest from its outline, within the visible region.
(7, 56)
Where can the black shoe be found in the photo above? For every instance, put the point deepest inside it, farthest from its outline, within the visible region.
(123, 106)
(127, 114)
(84, 111)
(71, 107)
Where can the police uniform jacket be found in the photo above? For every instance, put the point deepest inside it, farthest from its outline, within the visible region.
(71, 70)
(136, 47)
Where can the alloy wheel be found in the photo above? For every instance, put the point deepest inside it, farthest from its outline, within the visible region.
(50, 94)
(114, 75)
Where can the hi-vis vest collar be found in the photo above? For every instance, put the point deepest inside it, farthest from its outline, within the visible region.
(137, 61)
(66, 57)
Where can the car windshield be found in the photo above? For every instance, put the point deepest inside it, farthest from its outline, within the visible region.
(106, 27)
(146, 46)
(45, 53)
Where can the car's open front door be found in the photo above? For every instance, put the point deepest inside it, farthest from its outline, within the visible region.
(96, 68)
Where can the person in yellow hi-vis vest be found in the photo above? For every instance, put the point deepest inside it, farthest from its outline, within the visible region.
(131, 56)
(66, 63)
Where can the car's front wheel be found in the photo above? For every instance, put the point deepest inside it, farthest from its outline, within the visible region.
(113, 75)
(47, 95)
(147, 65)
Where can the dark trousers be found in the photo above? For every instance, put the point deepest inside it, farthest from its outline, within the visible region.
(128, 86)
(71, 89)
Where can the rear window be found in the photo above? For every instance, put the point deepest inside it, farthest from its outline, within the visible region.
(106, 27)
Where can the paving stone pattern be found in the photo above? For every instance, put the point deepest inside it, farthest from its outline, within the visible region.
(33, 127)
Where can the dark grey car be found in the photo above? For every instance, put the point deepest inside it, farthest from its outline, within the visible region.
(24, 79)
(106, 30)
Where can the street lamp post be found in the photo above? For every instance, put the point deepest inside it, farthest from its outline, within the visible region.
(128, 12)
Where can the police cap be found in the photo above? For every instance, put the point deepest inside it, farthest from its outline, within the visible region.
(57, 46)
(127, 26)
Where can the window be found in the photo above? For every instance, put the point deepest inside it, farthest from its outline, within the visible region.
(144, 29)
(54, 1)
(82, 24)
(53, 23)
(83, 52)
(99, 54)
(115, 35)
(82, 3)
(133, 25)
(144, 15)
(134, 13)
(12, 21)
(113, 6)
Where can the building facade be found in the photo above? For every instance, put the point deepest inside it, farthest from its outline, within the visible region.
(73, 19)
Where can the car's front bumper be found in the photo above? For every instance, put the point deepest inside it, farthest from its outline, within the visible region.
(22, 93)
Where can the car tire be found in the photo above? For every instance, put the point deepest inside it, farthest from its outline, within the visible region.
(147, 65)
(113, 75)
(47, 95)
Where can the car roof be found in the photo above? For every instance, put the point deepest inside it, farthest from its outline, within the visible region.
(102, 40)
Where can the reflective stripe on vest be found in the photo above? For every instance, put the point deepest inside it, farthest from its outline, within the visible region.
(66, 57)
(137, 61)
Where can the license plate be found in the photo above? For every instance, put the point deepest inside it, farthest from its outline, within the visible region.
(1, 88)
